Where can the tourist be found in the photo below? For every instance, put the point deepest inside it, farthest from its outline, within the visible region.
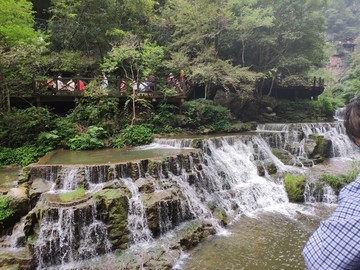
(336, 243)
(182, 75)
(51, 86)
(105, 83)
(80, 85)
(142, 86)
(123, 85)
(134, 86)
(59, 84)
(70, 85)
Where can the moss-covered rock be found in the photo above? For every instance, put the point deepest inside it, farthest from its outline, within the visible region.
(320, 149)
(284, 156)
(112, 206)
(295, 187)
(220, 214)
(155, 203)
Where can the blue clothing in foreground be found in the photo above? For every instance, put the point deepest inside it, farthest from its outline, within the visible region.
(336, 243)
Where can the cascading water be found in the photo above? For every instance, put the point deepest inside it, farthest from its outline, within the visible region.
(137, 222)
(235, 174)
(69, 232)
(69, 235)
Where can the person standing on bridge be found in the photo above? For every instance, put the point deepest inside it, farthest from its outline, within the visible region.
(59, 84)
(105, 83)
(70, 85)
(335, 245)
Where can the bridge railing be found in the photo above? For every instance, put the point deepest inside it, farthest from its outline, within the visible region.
(67, 86)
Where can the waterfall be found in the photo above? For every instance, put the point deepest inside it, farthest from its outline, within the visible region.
(292, 137)
(339, 114)
(68, 235)
(137, 222)
(222, 179)
(69, 232)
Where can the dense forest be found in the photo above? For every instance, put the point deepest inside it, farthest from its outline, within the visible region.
(221, 46)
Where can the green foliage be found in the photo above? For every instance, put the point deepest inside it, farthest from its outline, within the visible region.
(321, 109)
(22, 126)
(202, 113)
(338, 181)
(23, 155)
(48, 141)
(349, 87)
(326, 105)
(295, 187)
(65, 128)
(74, 62)
(133, 135)
(100, 111)
(72, 195)
(92, 139)
(342, 18)
(16, 21)
(165, 119)
(5, 210)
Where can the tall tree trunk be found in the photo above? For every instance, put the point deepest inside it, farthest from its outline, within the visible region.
(272, 85)
(133, 107)
(243, 53)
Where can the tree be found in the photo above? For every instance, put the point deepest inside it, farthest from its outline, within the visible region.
(249, 16)
(92, 26)
(16, 22)
(136, 60)
(197, 29)
(19, 45)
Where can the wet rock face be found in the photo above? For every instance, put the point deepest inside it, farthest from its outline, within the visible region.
(165, 210)
(318, 148)
(15, 204)
(51, 222)
(112, 206)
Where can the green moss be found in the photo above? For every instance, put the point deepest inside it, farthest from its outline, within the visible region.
(338, 181)
(282, 155)
(192, 227)
(72, 195)
(295, 187)
(31, 240)
(5, 210)
(220, 214)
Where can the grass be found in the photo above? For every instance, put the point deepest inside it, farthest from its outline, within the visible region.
(72, 195)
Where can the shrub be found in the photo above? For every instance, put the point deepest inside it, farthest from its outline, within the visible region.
(338, 181)
(166, 119)
(295, 187)
(23, 155)
(133, 135)
(22, 126)
(97, 111)
(5, 210)
(203, 113)
(92, 139)
(48, 141)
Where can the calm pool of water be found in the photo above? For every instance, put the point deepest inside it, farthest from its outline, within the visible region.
(9, 176)
(108, 155)
(269, 240)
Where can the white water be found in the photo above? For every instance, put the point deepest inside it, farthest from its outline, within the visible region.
(137, 222)
(228, 179)
(65, 240)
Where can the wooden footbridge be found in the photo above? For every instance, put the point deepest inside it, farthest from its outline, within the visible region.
(63, 90)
